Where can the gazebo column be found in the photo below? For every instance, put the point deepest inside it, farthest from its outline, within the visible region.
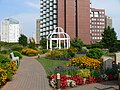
(59, 44)
(50, 44)
(47, 43)
(64, 44)
(67, 44)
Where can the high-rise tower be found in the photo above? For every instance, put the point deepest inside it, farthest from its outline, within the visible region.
(72, 15)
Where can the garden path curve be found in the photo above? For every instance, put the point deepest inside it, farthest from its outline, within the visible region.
(30, 76)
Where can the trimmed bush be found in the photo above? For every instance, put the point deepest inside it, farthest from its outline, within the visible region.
(95, 53)
(16, 53)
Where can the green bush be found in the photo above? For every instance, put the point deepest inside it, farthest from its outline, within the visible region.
(77, 43)
(84, 73)
(5, 51)
(4, 59)
(60, 54)
(16, 47)
(95, 53)
(113, 49)
(16, 53)
(95, 73)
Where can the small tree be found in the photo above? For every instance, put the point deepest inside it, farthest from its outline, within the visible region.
(23, 40)
(43, 43)
(77, 43)
(32, 43)
(109, 37)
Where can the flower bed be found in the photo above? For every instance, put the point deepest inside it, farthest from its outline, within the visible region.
(29, 52)
(7, 69)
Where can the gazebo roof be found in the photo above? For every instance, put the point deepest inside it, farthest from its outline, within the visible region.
(58, 32)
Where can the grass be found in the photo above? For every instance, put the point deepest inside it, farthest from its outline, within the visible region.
(47, 64)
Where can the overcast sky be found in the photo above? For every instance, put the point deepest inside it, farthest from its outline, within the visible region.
(27, 11)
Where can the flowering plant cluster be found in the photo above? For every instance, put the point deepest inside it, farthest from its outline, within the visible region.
(71, 70)
(6, 71)
(64, 54)
(85, 62)
(71, 81)
(29, 52)
(66, 81)
(3, 76)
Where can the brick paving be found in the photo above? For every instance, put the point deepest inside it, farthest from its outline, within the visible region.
(30, 76)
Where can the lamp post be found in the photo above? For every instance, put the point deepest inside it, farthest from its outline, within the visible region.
(58, 81)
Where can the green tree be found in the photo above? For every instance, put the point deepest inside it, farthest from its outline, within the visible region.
(43, 43)
(77, 43)
(109, 37)
(32, 43)
(23, 40)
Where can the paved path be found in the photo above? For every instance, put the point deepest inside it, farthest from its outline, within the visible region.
(108, 85)
(30, 76)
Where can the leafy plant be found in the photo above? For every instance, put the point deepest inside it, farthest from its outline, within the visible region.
(84, 73)
(77, 43)
(16, 53)
(95, 53)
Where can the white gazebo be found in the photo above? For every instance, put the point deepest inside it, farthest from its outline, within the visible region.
(59, 36)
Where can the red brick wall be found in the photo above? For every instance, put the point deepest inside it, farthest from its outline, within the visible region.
(84, 20)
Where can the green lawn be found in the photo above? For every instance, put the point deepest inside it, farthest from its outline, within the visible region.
(47, 64)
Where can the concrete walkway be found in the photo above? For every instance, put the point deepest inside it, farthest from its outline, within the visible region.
(108, 85)
(30, 76)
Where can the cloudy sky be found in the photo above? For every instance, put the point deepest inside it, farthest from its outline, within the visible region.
(27, 11)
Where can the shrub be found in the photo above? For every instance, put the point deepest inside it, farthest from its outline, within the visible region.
(84, 73)
(71, 70)
(77, 43)
(29, 52)
(58, 54)
(3, 76)
(95, 73)
(95, 53)
(16, 53)
(4, 59)
(5, 51)
(85, 62)
(16, 47)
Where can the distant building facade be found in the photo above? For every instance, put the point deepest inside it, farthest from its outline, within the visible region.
(37, 31)
(108, 21)
(10, 30)
(97, 24)
(72, 15)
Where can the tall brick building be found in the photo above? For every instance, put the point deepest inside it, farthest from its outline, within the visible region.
(72, 15)
(97, 24)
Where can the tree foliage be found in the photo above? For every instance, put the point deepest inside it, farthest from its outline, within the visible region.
(77, 43)
(109, 37)
(23, 40)
(43, 43)
(32, 43)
